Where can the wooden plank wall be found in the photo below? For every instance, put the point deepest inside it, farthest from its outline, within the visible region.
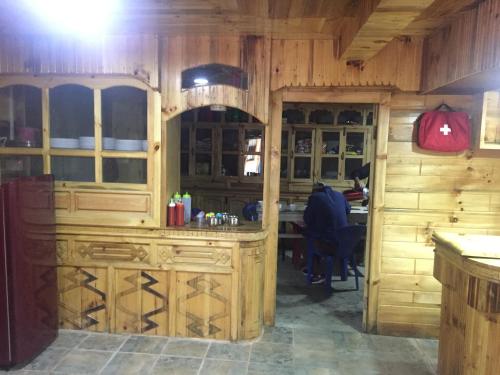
(427, 191)
(469, 45)
(313, 63)
(135, 55)
(250, 53)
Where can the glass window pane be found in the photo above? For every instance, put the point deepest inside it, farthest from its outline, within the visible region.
(124, 118)
(229, 165)
(207, 115)
(203, 165)
(132, 171)
(329, 168)
(184, 139)
(351, 165)
(369, 118)
(302, 168)
(284, 167)
(303, 142)
(330, 144)
(350, 117)
(20, 166)
(203, 140)
(184, 164)
(253, 140)
(20, 116)
(253, 165)
(321, 116)
(355, 143)
(293, 116)
(71, 114)
(230, 139)
(235, 115)
(284, 141)
(70, 168)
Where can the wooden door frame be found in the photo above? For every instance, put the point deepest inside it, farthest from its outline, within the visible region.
(373, 250)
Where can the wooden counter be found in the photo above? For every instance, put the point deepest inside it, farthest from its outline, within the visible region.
(189, 282)
(468, 267)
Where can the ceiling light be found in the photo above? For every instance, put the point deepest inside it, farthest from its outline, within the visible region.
(79, 17)
(218, 108)
(200, 81)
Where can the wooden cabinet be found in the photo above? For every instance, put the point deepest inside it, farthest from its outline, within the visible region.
(95, 137)
(327, 142)
(221, 146)
(489, 137)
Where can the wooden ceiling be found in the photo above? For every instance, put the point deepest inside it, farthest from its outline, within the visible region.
(359, 24)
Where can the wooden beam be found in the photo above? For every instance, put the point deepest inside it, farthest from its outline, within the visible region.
(375, 25)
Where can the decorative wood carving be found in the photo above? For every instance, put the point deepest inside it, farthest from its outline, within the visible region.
(194, 254)
(62, 251)
(112, 251)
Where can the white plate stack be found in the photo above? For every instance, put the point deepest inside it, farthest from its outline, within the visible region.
(108, 143)
(144, 145)
(128, 145)
(87, 143)
(64, 143)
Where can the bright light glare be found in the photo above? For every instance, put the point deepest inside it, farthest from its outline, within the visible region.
(200, 81)
(81, 17)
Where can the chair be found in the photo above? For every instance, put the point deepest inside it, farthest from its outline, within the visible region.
(346, 240)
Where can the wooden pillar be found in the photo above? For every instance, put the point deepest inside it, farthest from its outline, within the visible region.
(373, 255)
(271, 200)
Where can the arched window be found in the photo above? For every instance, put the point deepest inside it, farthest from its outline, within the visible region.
(214, 74)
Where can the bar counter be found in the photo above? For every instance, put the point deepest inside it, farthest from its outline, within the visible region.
(468, 267)
(186, 282)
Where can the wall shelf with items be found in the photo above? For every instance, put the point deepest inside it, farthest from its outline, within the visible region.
(329, 141)
(91, 134)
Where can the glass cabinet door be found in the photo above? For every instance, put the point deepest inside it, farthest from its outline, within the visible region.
(230, 152)
(303, 153)
(13, 166)
(252, 152)
(329, 155)
(185, 150)
(20, 116)
(284, 154)
(203, 151)
(354, 152)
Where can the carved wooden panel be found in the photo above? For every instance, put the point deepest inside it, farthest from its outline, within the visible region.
(62, 200)
(170, 254)
(203, 305)
(111, 251)
(141, 302)
(62, 251)
(83, 298)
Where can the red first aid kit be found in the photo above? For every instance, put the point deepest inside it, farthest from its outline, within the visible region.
(445, 131)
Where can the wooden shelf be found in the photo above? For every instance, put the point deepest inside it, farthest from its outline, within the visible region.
(125, 154)
(71, 152)
(20, 151)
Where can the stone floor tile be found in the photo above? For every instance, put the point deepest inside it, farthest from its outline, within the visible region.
(102, 342)
(69, 339)
(397, 368)
(186, 348)
(229, 351)
(323, 357)
(221, 367)
(280, 335)
(262, 368)
(130, 363)
(273, 354)
(47, 360)
(176, 366)
(80, 361)
(144, 344)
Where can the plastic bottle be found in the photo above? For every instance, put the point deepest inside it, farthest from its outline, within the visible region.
(179, 213)
(177, 197)
(186, 199)
(171, 213)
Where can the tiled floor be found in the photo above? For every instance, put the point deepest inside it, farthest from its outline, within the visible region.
(315, 334)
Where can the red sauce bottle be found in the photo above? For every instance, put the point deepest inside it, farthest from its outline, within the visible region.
(179, 213)
(171, 214)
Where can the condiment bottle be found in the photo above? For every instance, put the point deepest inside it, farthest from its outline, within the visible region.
(179, 213)
(186, 199)
(177, 197)
(171, 213)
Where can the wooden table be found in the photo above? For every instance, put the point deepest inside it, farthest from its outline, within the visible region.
(468, 267)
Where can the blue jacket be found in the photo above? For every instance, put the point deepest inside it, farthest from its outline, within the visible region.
(326, 211)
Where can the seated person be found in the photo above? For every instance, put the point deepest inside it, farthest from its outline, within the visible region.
(360, 174)
(326, 211)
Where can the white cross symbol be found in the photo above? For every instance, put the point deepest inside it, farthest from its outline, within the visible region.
(445, 129)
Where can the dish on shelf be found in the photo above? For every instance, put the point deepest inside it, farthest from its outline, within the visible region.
(144, 145)
(64, 142)
(87, 143)
(128, 145)
(108, 143)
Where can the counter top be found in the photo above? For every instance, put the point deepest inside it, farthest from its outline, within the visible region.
(470, 245)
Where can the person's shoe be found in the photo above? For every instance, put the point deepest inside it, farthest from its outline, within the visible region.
(318, 279)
